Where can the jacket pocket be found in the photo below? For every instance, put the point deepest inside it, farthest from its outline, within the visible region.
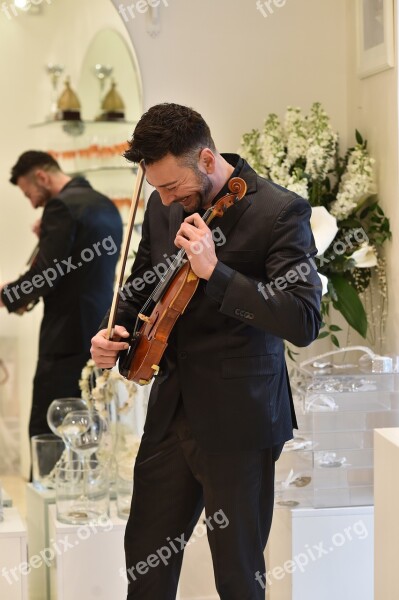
(249, 366)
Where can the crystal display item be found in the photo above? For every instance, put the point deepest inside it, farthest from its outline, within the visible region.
(329, 462)
(102, 73)
(59, 409)
(54, 71)
(82, 492)
(47, 450)
(81, 485)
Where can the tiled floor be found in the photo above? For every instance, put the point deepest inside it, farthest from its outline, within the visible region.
(15, 486)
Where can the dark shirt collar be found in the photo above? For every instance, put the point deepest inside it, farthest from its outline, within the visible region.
(76, 182)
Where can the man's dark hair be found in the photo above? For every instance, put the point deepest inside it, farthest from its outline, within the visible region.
(169, 128)
(33, 159)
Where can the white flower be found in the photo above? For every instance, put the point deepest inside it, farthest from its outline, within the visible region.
(322, 144)
(356, 183)
(324, 228)
(365, 257)
(296, 129)
(324, 283)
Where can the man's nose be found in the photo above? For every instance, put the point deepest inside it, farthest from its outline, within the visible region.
(167, 198)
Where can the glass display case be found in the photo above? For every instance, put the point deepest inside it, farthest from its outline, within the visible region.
(329, 463)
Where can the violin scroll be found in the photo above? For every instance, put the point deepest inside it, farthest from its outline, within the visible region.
(238, 187)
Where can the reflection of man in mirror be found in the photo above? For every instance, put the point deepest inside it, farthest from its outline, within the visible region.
(73, 271)
(220, 408)
(373, 17)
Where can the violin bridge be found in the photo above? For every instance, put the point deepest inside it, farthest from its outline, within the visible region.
(155, 368)
(144, 318)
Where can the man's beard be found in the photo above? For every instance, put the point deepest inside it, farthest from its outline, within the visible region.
(44, 195)
(200, 198)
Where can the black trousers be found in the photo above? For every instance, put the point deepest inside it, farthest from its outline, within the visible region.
(173, 480)
(55, 377)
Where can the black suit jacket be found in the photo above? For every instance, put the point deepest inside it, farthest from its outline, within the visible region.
(226, 354)
(79, 245)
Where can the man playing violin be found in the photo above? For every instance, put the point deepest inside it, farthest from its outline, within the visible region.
(73, 270)
(220, 408)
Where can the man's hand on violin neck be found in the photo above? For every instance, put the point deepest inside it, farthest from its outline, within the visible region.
(103, 351)
(196, 239)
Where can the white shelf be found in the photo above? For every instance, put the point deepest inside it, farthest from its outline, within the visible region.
(13, 557)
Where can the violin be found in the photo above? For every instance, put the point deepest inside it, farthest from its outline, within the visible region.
(158, 316)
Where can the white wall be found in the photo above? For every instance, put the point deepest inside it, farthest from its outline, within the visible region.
(233, 65)
(373, 110)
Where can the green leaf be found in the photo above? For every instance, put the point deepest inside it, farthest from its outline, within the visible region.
(348, 303)
(322, 335)
(335, 328)
(359, 138)
(334, 340)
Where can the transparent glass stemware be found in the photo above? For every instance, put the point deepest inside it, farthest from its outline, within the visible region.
(82, 431)
(56, 414)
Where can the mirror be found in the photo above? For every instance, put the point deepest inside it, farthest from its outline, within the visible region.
(108, 48)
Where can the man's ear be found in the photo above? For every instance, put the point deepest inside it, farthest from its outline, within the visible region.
(207, 160)
(43, 177)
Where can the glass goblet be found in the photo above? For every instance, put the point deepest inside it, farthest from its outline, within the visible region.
(82, 430)
(56, 414)
(58, 410)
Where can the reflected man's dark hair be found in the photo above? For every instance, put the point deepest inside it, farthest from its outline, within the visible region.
(32, 159)
(169, 128)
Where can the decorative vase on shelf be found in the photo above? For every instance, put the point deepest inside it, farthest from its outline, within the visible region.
(113, 106)
(69, 104)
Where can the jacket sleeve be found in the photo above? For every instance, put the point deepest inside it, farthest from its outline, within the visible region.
(286, 303)
(51, 263)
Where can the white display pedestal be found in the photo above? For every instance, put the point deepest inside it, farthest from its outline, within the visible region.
(37, 503)
(386, 494)
(321, 554)
(6, 499)
(89, 561)
(13, 557)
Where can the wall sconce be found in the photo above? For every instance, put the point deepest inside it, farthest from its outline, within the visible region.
(153, 22)
(26, 6)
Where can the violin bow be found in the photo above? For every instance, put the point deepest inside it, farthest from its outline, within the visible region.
(125, 249)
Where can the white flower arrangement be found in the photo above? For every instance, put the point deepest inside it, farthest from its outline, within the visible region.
(99, 387)
(301, 154)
